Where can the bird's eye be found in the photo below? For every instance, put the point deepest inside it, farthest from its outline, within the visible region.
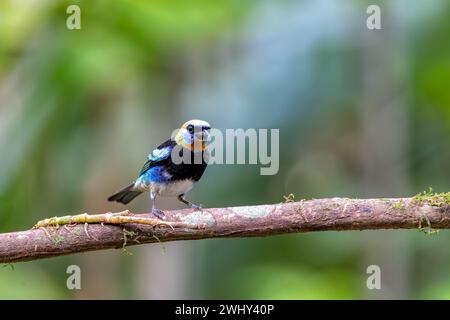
(190, 128)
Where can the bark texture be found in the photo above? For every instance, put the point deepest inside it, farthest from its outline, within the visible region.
(335, 214)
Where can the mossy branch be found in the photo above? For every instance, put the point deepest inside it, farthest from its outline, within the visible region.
(57, 236)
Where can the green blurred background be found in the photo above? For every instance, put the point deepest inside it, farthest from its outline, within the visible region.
(361, 113)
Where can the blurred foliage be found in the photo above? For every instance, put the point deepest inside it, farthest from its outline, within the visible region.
(79, 111)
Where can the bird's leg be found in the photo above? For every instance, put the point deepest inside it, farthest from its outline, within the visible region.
(157, 213)
(190, 204)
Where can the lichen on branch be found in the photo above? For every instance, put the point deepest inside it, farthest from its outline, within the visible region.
(57, 236)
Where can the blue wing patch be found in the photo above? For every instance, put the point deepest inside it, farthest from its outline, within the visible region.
(156, 156)
(155, 174)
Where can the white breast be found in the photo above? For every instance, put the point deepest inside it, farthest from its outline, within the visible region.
(173, 188)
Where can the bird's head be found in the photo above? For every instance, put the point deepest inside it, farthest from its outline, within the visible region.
(193, 135)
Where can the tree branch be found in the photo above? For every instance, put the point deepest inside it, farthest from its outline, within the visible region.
(421, 212)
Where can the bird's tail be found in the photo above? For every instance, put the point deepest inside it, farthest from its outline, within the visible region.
(125, 195)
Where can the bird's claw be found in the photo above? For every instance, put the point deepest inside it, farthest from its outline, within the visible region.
(158, 214)
(196, 206)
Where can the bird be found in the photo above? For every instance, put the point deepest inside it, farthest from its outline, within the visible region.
(172, 168)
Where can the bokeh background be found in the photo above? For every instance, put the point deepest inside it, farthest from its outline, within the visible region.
(361, 113)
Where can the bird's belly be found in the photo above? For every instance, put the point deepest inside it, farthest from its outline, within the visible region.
(174, 188)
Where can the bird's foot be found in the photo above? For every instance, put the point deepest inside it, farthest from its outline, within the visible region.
(158, 214)
(196, 206)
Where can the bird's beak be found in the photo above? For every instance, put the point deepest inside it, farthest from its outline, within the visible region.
(206, 136)
(202, 136)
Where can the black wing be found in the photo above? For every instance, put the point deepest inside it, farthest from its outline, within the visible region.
(158, 155)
